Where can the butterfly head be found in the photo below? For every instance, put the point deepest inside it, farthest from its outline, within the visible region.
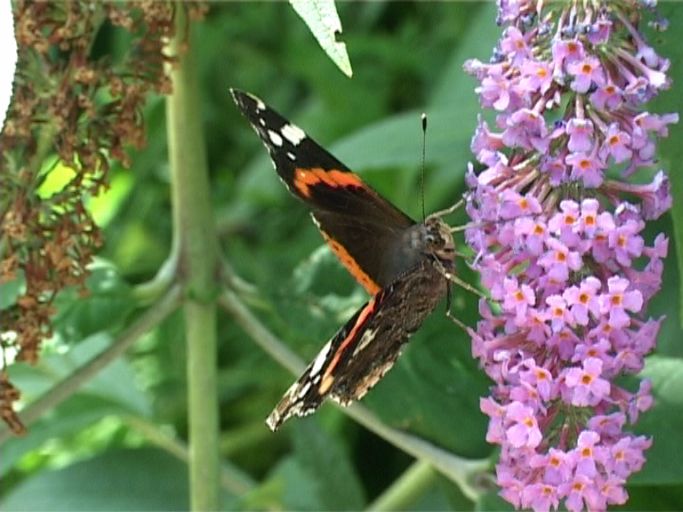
(438, 240)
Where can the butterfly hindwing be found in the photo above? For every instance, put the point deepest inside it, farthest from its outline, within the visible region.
(366, 347)
(358, 224)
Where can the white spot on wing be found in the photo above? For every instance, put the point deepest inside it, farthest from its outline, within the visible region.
(261, 121)
(320, 360)
(291, 156)
(367, 338)
(259, 103)
(293, 133)
(304, 389)
(275, 138)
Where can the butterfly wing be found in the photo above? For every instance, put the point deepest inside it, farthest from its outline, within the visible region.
(357, 222)
(366, 347)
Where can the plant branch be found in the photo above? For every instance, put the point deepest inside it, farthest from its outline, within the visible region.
(149, 291)
(195, 244)
(403, 493)
(259, 334)
(67, 387)
(233, 479)
(459, 470)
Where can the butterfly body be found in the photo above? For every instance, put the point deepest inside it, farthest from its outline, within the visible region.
(402, 264)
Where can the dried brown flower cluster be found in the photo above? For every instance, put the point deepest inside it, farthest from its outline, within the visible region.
(85, 107)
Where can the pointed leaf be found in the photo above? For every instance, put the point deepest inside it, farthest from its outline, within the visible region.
(323, 21)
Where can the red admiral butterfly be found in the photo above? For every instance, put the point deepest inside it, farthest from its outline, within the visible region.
(404, 265)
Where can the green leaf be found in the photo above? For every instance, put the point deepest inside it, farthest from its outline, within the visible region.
(325, 459)
(105, 206)
(492, 501)
(455, 89)
(113, 391)
(56, 178)
(670, 148)
(288, 487)
(73, 416)
(144, 479)
(115, 384)
(664, 422)
(661, 497)
(105, 308)
(323, 21)
(434, 390)
(397, 141)
(11, 290)
(319, 476)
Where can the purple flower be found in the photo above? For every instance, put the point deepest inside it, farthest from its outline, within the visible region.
(589, 453)
(626, 243)
(626, 455)
(540, 497)
(583, 300)
(585, 385)
(495, 92)
(514, 44)
(558, 261)
(526, 129)
(608, 96)
(617, 301)
(562, 248)
(617, 144)
(586, 168)
(580, 133)
(581, 493)
(587, 71)
(536, 76)
(523, 429)
(557, 466)
(518, 299)
(558, 312)
(567, 51)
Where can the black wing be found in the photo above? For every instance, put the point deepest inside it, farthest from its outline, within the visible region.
(360, 225)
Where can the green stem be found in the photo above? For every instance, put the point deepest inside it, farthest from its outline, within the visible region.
(233, 479)
(259, 334)
(461, 471)
(67, 387)
(196, 246)
(149, 291)
(405, 491)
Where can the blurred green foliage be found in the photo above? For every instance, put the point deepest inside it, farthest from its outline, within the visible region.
(407, 57)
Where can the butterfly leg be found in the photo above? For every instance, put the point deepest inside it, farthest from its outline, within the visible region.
(450, 209)
(451, 277)
(449, 314)
(456, 321)
(456, 229)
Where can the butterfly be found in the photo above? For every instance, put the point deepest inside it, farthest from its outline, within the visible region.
(404, 265)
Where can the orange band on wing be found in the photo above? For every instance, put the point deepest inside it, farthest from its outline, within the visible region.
(351, 265)
(305, 178)
(327, 378)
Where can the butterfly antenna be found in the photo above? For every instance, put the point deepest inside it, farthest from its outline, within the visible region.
(422, 173)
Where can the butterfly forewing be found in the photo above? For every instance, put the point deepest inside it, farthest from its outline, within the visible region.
(355, 220)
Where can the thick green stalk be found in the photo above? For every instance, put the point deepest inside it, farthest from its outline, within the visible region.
(407, 489)
(196, 248)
